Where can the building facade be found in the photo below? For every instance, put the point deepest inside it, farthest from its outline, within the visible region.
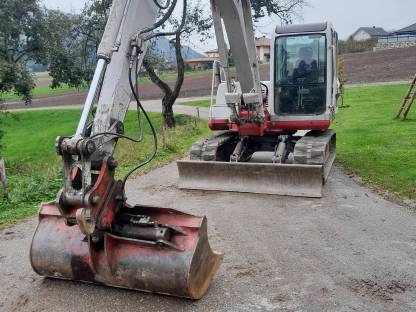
(263, 49)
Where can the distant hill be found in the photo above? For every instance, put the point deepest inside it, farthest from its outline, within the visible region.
(165, 49)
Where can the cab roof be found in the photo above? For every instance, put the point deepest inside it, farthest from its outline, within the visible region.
(301, 28)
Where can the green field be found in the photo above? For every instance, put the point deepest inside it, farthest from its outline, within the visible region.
(374, 145)
(41, 91)
(33, 167)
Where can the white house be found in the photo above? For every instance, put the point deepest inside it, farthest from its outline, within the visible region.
(366, 33)
(213, 54)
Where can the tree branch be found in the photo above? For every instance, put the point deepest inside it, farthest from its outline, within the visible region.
(180, 66)
(155, 78)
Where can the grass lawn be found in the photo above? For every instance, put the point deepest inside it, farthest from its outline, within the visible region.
(374, 145)
(203, 103)
(34, 167)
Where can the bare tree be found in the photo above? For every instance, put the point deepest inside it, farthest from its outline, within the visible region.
(170, 95)
(199, 22)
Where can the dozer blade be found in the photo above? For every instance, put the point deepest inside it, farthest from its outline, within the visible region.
(61, 251)
(279, 179)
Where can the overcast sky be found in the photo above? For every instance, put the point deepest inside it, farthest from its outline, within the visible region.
(346, 15)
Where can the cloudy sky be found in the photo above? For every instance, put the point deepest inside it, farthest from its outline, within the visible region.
(346, 15)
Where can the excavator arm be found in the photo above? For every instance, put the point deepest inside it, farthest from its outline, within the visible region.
(90, 233)
(235, 16)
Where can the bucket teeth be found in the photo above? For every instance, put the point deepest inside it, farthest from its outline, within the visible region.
(60, 251)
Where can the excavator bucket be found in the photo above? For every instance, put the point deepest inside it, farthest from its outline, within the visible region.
(62, 251)
(246, 177)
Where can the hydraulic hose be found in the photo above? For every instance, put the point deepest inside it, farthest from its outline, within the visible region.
(161, 21)
(178, 30)
(154, 149)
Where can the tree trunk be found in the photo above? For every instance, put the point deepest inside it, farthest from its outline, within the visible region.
(167, 112)
(170, 95)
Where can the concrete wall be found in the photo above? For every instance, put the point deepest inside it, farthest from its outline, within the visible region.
(394, 45)
(395, 42)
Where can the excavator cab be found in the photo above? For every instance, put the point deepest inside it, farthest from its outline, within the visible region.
(304, 72)
(300, 69)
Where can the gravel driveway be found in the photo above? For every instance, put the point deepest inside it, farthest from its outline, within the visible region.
(349, 251)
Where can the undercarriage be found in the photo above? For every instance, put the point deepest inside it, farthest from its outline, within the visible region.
(283, 164)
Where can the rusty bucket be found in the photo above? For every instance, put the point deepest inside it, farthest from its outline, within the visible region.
(62, 251)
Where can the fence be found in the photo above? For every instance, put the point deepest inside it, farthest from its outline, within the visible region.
(395, 41)
(397, 38)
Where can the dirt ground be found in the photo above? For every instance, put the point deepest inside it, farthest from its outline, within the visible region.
(349, 251)
(380, 66)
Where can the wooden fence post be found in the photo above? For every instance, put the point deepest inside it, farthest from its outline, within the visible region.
(3, 178)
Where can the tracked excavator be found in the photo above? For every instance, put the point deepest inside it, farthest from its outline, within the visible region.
(271, 137)
(91, 234)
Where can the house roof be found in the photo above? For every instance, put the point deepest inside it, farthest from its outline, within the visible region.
(408, 29)
(262, 41)
(200, 60)
(372, 31)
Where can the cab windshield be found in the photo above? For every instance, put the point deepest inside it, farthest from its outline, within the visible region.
(300, 69)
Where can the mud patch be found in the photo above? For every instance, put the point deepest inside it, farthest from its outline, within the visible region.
(380, 290)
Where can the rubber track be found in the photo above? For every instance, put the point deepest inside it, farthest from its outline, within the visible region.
(317, 149)
(206, 149)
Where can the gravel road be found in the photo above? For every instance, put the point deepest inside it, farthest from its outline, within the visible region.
(349, 251)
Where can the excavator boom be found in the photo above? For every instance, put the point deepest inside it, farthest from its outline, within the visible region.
(90, 233)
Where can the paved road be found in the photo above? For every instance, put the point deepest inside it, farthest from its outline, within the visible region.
(349, 251)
